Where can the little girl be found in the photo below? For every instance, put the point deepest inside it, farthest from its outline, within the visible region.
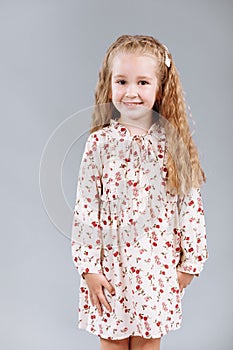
(138, 235)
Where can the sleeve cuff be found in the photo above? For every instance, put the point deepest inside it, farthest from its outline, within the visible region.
(85, 263)
(91, 269)
(194, 269)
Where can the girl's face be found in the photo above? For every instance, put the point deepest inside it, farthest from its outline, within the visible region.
(134, 84)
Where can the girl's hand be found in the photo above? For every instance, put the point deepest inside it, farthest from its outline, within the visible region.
(95, 283)
(184, 279)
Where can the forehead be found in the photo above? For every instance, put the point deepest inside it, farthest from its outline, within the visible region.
(126, 63)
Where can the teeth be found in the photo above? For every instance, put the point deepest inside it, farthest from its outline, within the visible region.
(132, 104)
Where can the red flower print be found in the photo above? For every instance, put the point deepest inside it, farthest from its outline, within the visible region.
(142, 269)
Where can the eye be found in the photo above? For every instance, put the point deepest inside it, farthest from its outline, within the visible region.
(121, 82)
(143, 82)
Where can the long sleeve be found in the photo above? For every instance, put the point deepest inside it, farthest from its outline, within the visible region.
(193, 233)
(86, 231)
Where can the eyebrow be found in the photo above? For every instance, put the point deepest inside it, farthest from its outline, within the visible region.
(143, 77)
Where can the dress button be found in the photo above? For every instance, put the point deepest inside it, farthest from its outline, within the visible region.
(138, 138)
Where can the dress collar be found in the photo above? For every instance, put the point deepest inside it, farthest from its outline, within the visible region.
(153, 130)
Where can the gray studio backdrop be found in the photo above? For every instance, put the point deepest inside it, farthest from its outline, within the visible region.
(51, 52)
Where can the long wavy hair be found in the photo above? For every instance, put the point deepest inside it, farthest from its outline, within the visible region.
(183, 167)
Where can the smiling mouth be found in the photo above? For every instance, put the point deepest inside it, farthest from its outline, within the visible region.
(132, 104)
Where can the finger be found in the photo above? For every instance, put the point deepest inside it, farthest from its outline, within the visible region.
(97, 305)
(109, 287)
(181, 287)
(91, 299)
(104, 302)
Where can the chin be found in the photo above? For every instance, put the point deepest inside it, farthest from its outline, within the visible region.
(134, 113)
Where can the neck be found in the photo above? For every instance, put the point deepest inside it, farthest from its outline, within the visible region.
(139, 125)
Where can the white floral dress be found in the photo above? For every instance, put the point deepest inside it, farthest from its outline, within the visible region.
(127, 227)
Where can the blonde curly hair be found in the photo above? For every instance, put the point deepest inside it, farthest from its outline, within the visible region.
(182, 162)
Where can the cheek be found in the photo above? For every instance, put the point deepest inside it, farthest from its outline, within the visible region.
(116, 93)
(149, 93)
(154, 92)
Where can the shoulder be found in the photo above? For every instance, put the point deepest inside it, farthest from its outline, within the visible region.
(106, 134)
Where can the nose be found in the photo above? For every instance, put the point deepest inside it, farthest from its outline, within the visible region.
(131, 91)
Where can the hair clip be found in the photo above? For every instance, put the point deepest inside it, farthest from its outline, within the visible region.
(167, 59)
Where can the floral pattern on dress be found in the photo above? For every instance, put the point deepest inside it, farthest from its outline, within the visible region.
(127, 227)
